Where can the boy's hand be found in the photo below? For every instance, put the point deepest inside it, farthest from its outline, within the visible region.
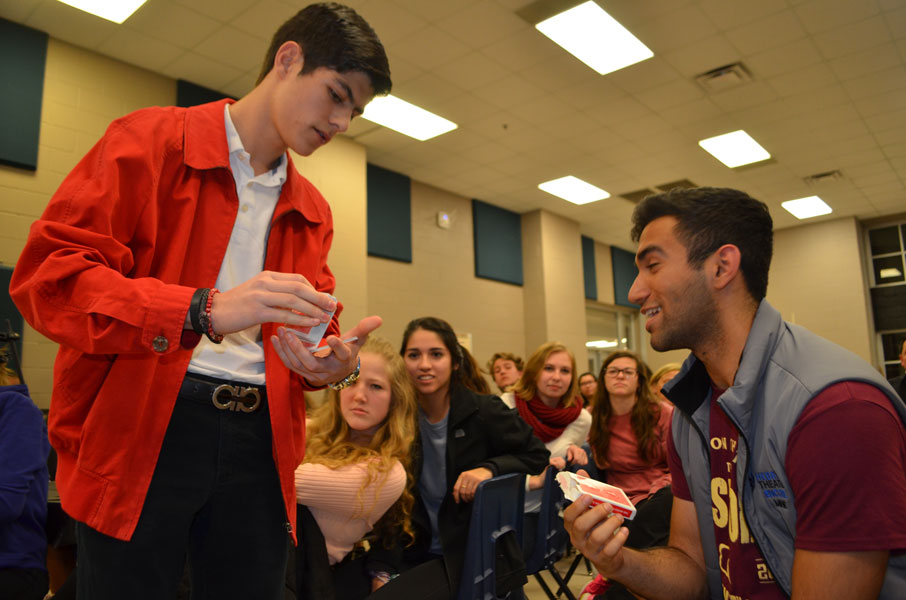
(270, 297)
(323, 368)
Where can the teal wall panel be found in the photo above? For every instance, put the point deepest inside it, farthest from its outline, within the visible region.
(23, 53)
(497, 235)
(389, 214)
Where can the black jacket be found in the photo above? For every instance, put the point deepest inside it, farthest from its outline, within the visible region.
(481, 432)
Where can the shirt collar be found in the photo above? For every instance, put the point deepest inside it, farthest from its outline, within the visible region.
(275, 177)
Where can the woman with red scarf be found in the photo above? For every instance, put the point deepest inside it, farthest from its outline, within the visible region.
(547, 398)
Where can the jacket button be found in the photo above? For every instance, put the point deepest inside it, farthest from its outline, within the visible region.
(160, 344)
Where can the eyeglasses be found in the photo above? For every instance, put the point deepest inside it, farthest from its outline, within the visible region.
(627, 372)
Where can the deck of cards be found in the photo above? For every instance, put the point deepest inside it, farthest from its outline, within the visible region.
(574, 486)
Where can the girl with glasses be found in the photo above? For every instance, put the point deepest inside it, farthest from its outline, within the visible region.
(628, 440)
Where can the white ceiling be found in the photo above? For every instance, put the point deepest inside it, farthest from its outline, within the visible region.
(828, 93)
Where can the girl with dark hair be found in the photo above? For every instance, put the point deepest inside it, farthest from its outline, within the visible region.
(465, 438)
(628, 440)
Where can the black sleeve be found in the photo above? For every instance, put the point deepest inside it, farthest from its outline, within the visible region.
(515, 448)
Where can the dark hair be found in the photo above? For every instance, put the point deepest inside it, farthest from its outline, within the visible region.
(710, 217)
(458, 375)
(472, 374)
(337, 37)
(644, 417)
(587, 373)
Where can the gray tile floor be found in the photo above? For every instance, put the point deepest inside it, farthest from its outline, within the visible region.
(581, 577)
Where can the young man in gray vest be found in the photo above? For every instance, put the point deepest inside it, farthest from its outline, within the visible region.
(788, 453)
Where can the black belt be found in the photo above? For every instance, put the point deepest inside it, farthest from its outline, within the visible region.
(223, 394)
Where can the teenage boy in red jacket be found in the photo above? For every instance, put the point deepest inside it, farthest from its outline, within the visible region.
(165, 266)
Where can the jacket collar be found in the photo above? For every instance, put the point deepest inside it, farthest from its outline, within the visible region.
(689, 390)
(205, 147)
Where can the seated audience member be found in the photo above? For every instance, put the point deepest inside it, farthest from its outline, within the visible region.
(588, 388)
(547, 398)
(23, 491)
(628, 440)
(788, 452)
(899, 383)
(506, 369)
(661, 377)
(465, 438)
(356, 459)
(472, 375)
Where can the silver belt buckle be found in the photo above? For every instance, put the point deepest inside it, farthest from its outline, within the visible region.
(234, 397)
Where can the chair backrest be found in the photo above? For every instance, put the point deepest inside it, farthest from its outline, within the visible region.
(550, 541)
(496, 511)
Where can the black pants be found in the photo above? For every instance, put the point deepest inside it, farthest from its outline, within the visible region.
(650, 528)
(215, 498)
(23, 584)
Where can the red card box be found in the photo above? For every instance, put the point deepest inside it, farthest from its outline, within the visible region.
(574, 486)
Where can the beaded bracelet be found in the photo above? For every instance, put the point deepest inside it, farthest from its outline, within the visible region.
(209, 323)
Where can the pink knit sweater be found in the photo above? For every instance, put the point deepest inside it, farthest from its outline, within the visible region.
(332, 496)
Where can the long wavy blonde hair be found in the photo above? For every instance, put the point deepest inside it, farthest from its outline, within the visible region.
(328, 439)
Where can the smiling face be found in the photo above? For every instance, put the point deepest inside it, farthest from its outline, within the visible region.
(621, 378)
(554, 378)
(429, 363)
(309, 110)
(505, 373)
(365, 404)
(674, 297)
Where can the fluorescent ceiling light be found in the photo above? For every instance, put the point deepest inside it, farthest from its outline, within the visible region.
(595, 38)
(573, 189)
(601, 344)
(735, 149)
(806, 208)
(888, 273)
(406, 118)
(112, 10)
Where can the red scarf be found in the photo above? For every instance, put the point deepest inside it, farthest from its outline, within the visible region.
(547, 423)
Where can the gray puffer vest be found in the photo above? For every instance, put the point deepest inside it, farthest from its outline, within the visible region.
(783, 367)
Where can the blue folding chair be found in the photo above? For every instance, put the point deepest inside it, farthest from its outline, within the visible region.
(551, 540)
(496, 512)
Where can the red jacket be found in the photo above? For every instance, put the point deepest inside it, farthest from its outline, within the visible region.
(108, 272)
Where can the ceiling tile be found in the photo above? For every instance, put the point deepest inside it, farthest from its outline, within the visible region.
(778, 29)
(223, 11)
(233, 47)
(391, 21)
(482, 24)
(201, 70)
(70, 24)
(677, 92)
(821, 15)
(783, 59)
(472, 70)
(878, 82)
(744, 96)
(262, 19)
(430, 47)
(19, 10)
(802, 80)
(852, 38)
(727, 15)
(172, 23)
(509, 91)
(140, 50)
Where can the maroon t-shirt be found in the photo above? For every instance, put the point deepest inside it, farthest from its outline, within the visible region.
(846, 464)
